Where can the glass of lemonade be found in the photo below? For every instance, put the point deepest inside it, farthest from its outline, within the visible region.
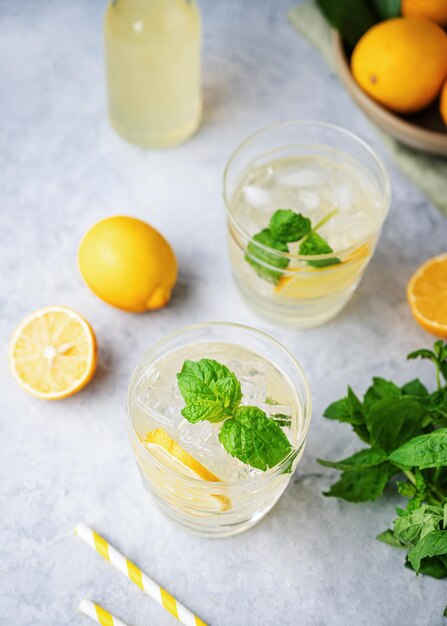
(305, 203)
(221, 468)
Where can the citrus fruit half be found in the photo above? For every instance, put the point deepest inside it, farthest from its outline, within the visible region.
(53, 353)
(427, 295)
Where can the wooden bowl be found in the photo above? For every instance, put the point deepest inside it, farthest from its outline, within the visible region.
(424, 131)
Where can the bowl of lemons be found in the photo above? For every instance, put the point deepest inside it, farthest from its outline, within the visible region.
(391, 55)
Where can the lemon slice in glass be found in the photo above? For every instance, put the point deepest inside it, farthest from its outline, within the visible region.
(168, 452)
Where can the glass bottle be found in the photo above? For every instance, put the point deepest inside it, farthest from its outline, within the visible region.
(153, 70)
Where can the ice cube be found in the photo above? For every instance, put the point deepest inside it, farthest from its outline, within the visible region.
(201, 437)
(247, 472)
(159, 398)
(201, 440)
(305, 177)
(342, 195)
(310, 199)
(347, 229)
(164, 416)
(254, 386)
(256, 196)
(273, 409)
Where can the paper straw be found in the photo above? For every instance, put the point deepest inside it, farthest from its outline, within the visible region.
(133, 573)
(98, 614)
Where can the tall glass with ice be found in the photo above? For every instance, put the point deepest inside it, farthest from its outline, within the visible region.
(305, 204)
(218, 416)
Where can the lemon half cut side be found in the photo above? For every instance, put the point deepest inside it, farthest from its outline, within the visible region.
(53, 353)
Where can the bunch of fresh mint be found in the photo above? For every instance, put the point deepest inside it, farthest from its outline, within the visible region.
(287, 226)
(213, 393)
(405, 429)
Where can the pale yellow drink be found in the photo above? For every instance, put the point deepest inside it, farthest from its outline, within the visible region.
(184, 466)
(152, 52)
(332, 179)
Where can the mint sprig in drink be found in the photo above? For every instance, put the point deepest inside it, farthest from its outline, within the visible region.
(213, 393)
(218, 416)
(306, 202)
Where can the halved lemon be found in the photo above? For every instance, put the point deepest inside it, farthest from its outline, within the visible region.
(168, 452)
(53, 353)
(427, 295)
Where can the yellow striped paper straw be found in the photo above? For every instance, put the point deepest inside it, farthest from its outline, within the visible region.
(98, 614)
(138, 577)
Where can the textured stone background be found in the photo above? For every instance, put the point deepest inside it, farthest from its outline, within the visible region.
(312, 561)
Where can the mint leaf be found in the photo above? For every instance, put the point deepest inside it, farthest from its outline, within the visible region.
(211, 391)
(438, 356)
(352, 18)
(282, 420)
(287, 226)
(392, 421)
(406, 489)
(264, 261)
(202, 410)
(359, 461)
(437, 406)
(348, 409)
(434, 567)
(254, 439)
(197, 379)
(351, 411)
(228, 391)
(433, 544)
(389, 538)
(385, 9)
(270, 400)
(425, 451)
(314, 244)
(379, 390)
(410, 528)
(414, 388)
(362, 485)
(423, 353)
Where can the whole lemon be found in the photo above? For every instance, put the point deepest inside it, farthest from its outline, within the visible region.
(402, 63)
(434, 10)
(128, 264)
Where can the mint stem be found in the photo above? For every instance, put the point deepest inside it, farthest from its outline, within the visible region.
(325, 219)
(411, 477)
(321, 223)
(436, 492)
(433, 490)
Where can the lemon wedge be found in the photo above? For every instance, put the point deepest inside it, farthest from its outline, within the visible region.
(309, 282)
(168, 452)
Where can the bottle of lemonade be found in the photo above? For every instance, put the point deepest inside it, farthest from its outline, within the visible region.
(152, 51)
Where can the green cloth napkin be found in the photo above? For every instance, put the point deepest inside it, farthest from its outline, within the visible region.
(428, 172)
